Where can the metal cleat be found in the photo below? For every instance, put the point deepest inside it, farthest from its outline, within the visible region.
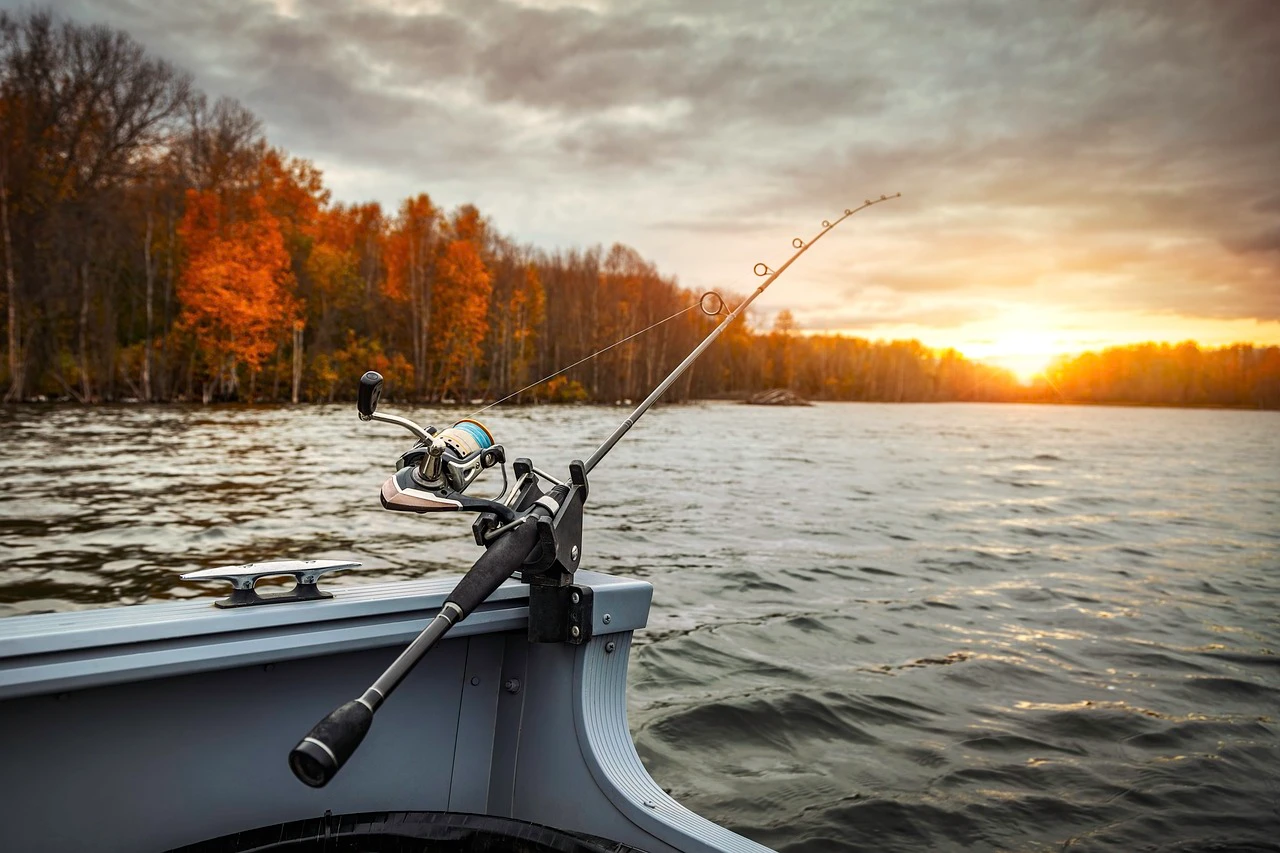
(242, 579)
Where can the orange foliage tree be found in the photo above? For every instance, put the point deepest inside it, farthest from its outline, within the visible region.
(411, 248)
(236, 289)
(1162, 374)
(462, 306)
(527, 312)
(293, 190)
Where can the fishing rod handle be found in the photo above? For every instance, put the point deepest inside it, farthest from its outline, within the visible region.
(321, 754)
(503, 558)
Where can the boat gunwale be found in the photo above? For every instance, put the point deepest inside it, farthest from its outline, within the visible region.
(44, 654)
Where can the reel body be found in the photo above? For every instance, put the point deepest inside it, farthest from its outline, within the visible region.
(453, 457)
(435, 473)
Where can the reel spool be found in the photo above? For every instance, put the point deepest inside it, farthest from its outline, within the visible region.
(455, 456)
(467, 436)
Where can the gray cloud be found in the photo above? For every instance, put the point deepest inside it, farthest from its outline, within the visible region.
(1133, 145)
(1263, 241)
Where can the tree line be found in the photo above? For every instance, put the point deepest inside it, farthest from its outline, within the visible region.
(1166, 374)
(157, 247)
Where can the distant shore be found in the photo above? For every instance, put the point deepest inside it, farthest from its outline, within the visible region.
(472, 405)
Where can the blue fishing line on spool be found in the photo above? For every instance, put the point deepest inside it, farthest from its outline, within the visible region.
(482, 438)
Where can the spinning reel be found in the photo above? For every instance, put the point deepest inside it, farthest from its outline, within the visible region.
(435, 473)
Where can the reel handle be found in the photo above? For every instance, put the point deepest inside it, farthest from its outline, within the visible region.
(369, 394)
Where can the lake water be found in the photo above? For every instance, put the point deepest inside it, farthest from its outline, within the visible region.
(875, 627)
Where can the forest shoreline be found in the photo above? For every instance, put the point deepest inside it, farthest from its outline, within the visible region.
(244, 404)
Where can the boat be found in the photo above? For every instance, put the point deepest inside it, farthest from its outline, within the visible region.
(167, 726)
(175, 726)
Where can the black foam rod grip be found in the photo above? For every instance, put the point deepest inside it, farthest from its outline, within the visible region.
(320, 755)
(495, 565)
(369, 394)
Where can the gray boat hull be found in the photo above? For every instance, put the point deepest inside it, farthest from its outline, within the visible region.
(158, 726)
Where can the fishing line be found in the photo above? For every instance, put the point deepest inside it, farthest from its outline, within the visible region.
(528, 530)
(703, 300)
(763, 270)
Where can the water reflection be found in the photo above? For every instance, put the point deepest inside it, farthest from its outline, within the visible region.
(916, 627)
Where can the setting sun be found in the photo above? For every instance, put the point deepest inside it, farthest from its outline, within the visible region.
(1017, 344)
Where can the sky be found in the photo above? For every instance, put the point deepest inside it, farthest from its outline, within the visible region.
(1073, 174)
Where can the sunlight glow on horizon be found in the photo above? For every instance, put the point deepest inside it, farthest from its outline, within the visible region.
(1024, 340)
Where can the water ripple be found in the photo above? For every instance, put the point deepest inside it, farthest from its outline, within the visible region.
(914, 627)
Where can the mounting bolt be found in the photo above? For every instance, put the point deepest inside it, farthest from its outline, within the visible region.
(512, 685)
(650, 804)
(575, 598)
(606, 619)
(575, 631)
(573, 553)
(475, 679)
(609, 647)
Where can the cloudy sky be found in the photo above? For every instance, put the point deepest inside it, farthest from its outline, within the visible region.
(1073, 173)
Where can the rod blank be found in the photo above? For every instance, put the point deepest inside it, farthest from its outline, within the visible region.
(631, 419)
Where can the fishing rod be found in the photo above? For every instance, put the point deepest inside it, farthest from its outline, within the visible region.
(759, 270)
(524, 529)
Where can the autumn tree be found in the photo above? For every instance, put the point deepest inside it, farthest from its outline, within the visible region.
(83, 106)
(462, 304)
(527, 312)
(236, 290)
(411, 251)
(783, 349)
